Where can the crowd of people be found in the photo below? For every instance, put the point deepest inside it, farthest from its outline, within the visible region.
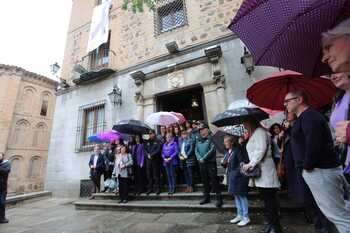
(301, 154)
(178, 151)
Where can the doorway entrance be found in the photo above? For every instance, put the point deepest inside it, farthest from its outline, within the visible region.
(190, 102)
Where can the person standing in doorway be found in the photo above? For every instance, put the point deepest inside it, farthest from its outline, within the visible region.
(153, 149)
(206, 155)
(313, 150)
(5, 168)
(97, 167)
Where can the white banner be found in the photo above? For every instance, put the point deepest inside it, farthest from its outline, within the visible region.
(99, 27)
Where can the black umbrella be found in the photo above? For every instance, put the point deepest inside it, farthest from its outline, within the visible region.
(133, 127)
(218, 140)
(238, 116)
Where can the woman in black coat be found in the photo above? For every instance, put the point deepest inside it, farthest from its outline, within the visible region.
(237, 182)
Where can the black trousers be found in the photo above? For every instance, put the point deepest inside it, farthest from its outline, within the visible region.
(123, 187)
(140, 179)
(272, 208)
(2, 204)
(108, 174)
(347, 177)
(96, 179)
(153, 173)
(209, 175)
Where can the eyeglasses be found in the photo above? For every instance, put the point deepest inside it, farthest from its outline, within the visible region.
(286, 101)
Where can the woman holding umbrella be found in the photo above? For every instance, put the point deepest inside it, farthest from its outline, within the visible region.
(259, 153)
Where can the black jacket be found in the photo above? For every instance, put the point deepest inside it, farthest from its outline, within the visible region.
(5, 168)
(153, 148)
(100, 165)
(312, 142)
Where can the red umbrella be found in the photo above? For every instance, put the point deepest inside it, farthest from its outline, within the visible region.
(270, 91)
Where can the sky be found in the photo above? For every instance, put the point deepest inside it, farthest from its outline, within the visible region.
(33, 33)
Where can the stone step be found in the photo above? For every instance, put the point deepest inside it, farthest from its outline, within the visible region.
(178, 196)
(197, 187)
(156, 206)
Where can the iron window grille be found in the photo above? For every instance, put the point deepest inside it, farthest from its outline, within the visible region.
(91, 121)
(169, 15)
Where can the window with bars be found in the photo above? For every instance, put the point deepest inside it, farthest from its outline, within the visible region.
(169, 15)
(91, 121)
(99, 58)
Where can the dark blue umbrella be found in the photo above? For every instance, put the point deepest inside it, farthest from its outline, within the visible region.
(95, 139)
(238, 116)
(133, 127)
(287, 34)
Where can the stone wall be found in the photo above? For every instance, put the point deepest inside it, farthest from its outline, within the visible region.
(132, 34)
(24, 133)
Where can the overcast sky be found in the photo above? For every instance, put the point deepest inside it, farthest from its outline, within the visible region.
(33, 33)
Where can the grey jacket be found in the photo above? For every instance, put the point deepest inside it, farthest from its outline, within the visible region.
(122, 166)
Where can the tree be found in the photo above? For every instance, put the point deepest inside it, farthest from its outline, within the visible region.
(138, 5)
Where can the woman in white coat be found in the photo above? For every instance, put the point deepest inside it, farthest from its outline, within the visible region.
(259, 153)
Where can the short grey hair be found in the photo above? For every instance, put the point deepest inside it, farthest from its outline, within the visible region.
(342, 29)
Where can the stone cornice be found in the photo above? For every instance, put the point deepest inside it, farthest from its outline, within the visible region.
(40, 79)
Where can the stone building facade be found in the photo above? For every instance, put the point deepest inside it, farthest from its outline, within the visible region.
(182, 52)
(27, 103)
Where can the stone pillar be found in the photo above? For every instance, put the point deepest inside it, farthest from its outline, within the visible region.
(139, 78)
(220, 89)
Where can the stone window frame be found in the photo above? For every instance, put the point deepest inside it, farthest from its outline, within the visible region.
(45, 104)
(21, 132)
(16, 173)
(167, 4)
(40, 135)
(97, 125)
(32, 173)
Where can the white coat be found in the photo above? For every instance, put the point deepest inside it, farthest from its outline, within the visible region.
(257, 145)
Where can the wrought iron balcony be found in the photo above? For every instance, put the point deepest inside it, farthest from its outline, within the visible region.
(97, 64)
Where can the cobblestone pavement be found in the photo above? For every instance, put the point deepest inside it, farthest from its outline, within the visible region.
(59, 216)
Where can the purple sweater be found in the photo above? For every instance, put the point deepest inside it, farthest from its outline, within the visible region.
(138, 155)
(170, 150)
(340, 114)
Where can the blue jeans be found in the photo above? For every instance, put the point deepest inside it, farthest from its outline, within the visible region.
(169, 168)
(241, 205)
(188, 176)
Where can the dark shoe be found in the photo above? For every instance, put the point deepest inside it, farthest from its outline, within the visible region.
(276, 229)
(120, 201)
(138, 194)
(158, 191)
(266, 229)
(219, 201)
(3, 221)
(149, 192)
(204, 201)
(125, 201)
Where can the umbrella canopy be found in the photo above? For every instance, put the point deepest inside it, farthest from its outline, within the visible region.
(133, 127)
(238, 116)
(181, 117)
(218, 140)
(245, 103)
(270, 92)
(235, 130)
(162, 118)
(287, 34)
(95, 139)
(109, 136)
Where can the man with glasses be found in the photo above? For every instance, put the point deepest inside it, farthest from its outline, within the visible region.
(314, 155)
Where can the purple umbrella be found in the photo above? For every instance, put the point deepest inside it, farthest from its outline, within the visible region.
(109, 136)
(287, 34)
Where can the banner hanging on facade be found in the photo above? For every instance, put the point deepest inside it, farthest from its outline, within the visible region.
(99, 25)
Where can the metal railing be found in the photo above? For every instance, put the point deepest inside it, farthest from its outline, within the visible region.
(98, 59)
